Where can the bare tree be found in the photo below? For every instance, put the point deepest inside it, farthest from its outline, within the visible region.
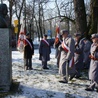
(18, 10)
(41, 16)
(11, 4)
(65, 11)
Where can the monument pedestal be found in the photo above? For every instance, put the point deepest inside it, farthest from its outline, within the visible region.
(5, 60)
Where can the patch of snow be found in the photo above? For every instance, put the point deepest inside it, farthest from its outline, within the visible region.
(39, 83)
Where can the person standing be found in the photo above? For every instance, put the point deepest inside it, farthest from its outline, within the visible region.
(44, 52)
(57, 43)
(86, 51)
(28, 52)
(67, 57)
(93, 71)
(78, 55)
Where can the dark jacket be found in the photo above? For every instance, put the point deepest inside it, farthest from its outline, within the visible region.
(44, 51)
(28, 52)
(56, 45)
(78, 55)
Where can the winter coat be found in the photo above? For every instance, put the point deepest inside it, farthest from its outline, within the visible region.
(93, 71)
(44, 51)
(78, 55)
(28, 52)
(57, 54)
(66, 56)
(86, 52)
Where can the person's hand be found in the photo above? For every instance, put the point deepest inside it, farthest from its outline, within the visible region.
(60, 48)
(90, 56)
(95, 58)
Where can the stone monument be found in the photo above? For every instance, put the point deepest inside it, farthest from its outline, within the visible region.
(3, 14)
(5, 52)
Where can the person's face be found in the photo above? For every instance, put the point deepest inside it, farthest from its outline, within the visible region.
(65, 35)
(45, 37)
(94, 40)
(77, 38)
(85, 41)
(28, 36)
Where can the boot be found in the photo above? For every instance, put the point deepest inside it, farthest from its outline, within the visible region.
(89, 89)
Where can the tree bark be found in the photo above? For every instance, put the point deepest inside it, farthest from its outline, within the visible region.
(40, 20)
(93, 17)
(18, 14)
(80, 14)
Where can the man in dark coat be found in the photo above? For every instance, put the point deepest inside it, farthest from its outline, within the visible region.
(44, 52)
(78, 55)
(93, 71)
(28, 52)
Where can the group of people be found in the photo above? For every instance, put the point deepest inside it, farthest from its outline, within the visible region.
(44, 52)
(73, 55)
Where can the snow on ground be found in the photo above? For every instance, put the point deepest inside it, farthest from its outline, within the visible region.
(39, 83)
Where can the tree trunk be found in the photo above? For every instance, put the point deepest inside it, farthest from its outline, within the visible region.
(80, 14)
(40, 20)
(94, 17)
(37, 29)
(19, 12)
(10, 8)
(33, 16)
